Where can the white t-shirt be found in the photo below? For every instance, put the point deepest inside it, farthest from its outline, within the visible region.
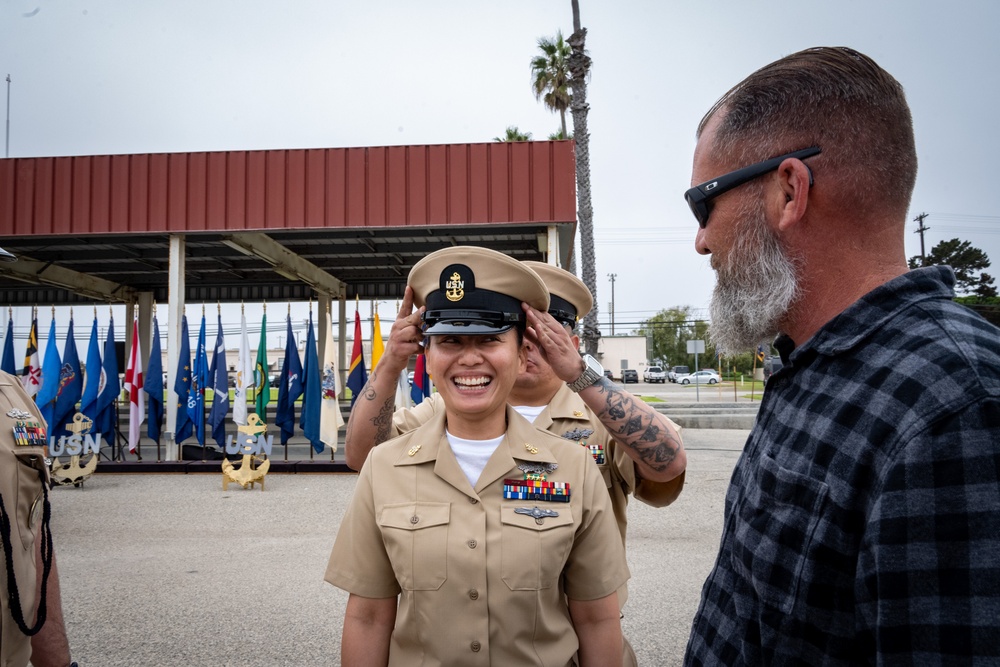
(530, 412)
(472, 455)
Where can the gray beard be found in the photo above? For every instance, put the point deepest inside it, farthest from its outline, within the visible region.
(756, 286)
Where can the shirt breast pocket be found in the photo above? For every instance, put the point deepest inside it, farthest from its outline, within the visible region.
(416, 539)
(534, 551)
(777, 519)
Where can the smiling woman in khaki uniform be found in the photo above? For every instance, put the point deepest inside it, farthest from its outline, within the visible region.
(476, 538)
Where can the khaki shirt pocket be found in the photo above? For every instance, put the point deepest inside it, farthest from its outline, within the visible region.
(534, 552)
(416, 540)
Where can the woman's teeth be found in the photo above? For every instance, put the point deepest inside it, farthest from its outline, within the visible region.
(472, 382)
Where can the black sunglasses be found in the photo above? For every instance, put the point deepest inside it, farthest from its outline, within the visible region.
(699, 196)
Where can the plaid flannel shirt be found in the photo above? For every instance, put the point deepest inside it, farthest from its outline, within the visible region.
(862, 521)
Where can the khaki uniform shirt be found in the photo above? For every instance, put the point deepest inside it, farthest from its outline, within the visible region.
(567, 412)
(22, 474)
(479, 583)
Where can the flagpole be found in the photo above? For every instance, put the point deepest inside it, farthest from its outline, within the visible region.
(7, 149)
(284, 379)
(201, 392)
(304, 388)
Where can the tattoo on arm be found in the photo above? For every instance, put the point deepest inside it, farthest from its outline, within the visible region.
(368, 391)
(383, 421)
(634, 424)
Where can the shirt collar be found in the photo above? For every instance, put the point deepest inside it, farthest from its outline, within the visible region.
(873, 311)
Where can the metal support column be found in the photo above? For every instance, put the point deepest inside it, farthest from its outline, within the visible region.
(175, 311)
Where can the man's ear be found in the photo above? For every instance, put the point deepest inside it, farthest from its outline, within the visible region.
(795, 181)
(576, 341)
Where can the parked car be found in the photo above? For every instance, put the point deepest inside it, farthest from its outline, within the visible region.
(700, 377)
(630, 375)
(771, 366)
(607, 374)
(654, 374)
(677, 370)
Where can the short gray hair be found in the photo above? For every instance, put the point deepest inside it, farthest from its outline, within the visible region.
(835, 98)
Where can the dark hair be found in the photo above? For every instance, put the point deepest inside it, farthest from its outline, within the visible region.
(834, 98)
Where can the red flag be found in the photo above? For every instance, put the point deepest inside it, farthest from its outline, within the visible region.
(134, 386)
(357, 375)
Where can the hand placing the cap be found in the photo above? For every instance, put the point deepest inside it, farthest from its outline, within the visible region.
(555, 343)
(404, 337)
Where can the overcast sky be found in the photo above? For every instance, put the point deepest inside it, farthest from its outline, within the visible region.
(110, 77)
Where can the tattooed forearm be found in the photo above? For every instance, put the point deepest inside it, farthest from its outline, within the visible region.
(383, 421)
(637, 426)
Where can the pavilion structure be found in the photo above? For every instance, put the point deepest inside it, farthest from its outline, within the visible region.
(331, 224)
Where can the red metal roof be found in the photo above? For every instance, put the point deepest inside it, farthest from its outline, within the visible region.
(384, 186)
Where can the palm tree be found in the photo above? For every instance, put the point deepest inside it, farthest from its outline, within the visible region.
(550, 75)
(559, 136)
(514, 134)
(579, 67)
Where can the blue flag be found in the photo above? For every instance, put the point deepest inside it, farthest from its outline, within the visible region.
(7, 364)
(49, 391)
(182, 386)
(153, 386)
(199, 380)
(289, 387)
(71, 386)
(312, 392)
(219, 374)
(110, 389)
(88, 404)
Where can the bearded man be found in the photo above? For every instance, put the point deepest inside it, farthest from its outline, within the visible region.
(863, 518)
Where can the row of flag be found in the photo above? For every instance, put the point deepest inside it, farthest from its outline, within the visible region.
(317, 385)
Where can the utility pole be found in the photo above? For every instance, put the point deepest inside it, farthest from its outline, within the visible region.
(920, 230)
(612, 276)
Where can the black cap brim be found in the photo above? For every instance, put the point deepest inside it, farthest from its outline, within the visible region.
(470, 322)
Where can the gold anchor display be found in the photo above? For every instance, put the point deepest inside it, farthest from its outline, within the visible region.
(72, 472)
(252, 469)
(454, 287)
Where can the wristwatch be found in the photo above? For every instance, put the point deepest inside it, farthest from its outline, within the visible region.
(592, 372)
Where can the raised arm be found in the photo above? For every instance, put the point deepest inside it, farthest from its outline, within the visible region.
(370, 422)
(648, 437)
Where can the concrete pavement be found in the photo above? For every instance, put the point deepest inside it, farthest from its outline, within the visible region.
(170, 570)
